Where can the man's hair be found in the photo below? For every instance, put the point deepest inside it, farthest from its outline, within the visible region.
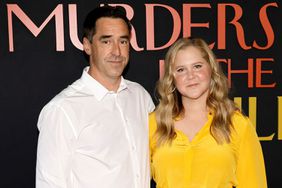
(89, 25)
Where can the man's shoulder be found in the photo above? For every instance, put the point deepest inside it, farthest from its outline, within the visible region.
(134, 85)
(141, 94)
(72, 91)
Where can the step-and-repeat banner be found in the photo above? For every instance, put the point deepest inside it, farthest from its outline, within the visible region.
(41, 53)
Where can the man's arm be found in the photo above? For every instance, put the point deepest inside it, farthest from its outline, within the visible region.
(54, 149)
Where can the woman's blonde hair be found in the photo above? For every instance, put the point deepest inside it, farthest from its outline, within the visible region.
(170, 104)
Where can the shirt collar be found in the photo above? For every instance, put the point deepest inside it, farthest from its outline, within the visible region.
(97, 89)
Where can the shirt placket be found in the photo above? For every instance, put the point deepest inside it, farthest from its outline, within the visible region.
(131, 144)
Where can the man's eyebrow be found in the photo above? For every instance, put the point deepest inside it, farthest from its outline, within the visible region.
(105, 37)
(125, 37)
(109, 36)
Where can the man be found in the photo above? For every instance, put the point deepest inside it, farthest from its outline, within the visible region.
(94, 133)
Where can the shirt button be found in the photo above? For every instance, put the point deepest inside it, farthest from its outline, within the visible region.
(133, 148)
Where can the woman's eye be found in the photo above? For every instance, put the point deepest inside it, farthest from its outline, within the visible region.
(180, 70)
(198, 66)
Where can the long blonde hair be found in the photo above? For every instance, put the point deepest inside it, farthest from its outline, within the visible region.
(170, 104)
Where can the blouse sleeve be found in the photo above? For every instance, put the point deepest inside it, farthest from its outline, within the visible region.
(250, 169)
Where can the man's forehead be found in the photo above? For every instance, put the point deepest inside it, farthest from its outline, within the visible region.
(112, 27)
(110, 22)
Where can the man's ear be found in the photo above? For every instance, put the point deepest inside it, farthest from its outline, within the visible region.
(86, 46)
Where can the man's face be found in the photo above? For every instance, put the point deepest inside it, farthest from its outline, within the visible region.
(109, 50)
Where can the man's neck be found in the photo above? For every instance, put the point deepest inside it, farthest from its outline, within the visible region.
(110, 83)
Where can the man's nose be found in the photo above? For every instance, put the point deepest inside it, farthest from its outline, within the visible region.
(116, 49)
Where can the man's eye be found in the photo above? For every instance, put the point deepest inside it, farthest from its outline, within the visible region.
(105, 41)
(124, 42)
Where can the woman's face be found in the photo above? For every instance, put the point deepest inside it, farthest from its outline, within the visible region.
(192, 74)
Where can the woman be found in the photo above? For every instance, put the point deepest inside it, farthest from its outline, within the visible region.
(198, 138)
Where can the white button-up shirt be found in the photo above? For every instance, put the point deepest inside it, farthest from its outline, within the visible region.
(94, 138)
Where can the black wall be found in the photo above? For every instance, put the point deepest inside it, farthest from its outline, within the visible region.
(35, 69)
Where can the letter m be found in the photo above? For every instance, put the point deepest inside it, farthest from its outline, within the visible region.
(17, 11)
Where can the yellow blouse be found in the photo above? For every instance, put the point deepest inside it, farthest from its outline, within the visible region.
(202, 163)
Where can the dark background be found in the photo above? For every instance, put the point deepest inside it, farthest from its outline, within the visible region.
(35, 72)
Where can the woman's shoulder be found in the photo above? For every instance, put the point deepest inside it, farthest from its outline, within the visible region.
(241, 123)
(152, 115)
(152, 122)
